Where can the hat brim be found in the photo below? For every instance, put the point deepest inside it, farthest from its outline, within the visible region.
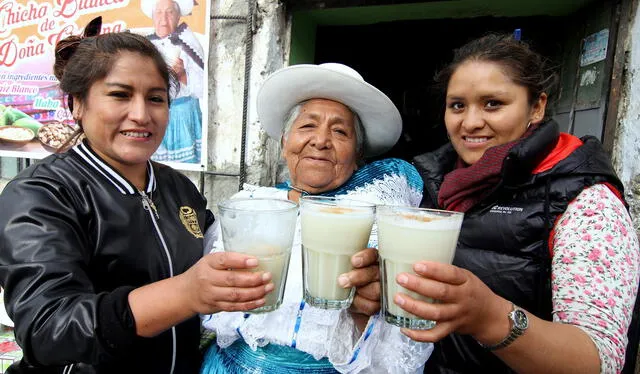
(289, 86)
(186, 7)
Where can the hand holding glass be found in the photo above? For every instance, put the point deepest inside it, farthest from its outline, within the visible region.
(407, 235)
(263, 228)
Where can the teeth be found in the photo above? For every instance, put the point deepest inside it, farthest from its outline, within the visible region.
(476, 140)
(136, 134)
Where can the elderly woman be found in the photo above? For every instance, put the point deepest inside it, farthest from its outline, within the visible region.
(328, 119)
(546, 269)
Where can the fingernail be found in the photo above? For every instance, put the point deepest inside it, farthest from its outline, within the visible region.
(402, 279)
(343, 281)
(420, 268)
(269, 287)
(251, 262)
(260, 302)
(398, 300)
(357, 261)
(266, 276)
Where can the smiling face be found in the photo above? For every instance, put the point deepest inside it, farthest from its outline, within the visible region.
(124, 116)
(166, 16)
(320, 148)
(485, 108)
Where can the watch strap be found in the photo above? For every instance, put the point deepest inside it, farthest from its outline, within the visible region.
(514, 333)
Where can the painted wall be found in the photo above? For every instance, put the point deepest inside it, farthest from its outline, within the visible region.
(626, 152)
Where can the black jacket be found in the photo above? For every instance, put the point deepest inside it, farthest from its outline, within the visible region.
(75, 238)
(504, 238)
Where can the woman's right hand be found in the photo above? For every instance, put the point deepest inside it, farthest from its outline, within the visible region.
(466, 305)
(223, 281)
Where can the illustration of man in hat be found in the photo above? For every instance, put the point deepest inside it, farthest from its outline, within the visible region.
(185, 55)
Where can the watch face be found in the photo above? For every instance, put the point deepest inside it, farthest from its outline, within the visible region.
(520, 319)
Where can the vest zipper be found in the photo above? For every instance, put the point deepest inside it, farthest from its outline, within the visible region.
(149, 206)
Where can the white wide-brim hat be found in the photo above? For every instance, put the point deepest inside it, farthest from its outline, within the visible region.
(289, 86)
(186, 7)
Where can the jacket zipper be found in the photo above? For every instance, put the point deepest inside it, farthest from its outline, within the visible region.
(149, 206)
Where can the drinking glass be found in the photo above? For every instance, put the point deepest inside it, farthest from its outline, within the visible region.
(333, 230)
(263, 228)
(407, 235)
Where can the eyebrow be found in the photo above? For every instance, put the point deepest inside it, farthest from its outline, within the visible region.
(332, 120)
(130, 88)
(492, 95)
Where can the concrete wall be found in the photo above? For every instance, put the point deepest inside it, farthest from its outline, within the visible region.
(626, 152)
(226, 89)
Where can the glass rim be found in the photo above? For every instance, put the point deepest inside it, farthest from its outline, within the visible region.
(380, 209)
(315, 199)
(225, 205)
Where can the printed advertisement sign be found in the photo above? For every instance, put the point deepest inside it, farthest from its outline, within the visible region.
(595, 48)
(34, 119)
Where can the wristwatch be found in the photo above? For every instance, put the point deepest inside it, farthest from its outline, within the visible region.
(519, 324)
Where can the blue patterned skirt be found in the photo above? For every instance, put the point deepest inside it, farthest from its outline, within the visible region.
(183, 139)
(239, 358)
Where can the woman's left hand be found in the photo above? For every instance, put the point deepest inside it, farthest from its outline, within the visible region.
(365, 277)
(466, 305)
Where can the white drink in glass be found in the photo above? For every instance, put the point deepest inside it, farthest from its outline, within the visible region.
(275, 261)
(406, 236)
(332, 232)
(263, 228)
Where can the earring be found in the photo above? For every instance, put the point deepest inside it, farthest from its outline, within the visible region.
(528, 125)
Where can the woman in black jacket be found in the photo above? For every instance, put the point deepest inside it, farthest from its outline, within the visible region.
(101, 249)
(546, 268)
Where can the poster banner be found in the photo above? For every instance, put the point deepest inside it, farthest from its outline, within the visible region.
(34, 118)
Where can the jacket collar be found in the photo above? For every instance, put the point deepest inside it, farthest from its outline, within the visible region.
(119, 182)
(524, 157)
(517, 167)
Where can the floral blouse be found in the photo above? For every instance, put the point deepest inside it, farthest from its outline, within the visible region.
(595, 270)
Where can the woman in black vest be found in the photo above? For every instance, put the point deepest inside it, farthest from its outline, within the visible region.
(546, 269)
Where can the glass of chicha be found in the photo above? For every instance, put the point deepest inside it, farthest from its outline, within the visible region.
(407, 235)
(263, 228)
(333, 230)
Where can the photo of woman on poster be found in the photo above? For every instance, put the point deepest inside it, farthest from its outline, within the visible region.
(185, 55)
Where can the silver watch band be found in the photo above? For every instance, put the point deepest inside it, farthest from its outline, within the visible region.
(514, 333)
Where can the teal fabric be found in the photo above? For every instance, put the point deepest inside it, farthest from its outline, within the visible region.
(239, 358)
(369, 173)
(183, 139)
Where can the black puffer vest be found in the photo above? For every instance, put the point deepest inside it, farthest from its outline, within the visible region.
(504, 238)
